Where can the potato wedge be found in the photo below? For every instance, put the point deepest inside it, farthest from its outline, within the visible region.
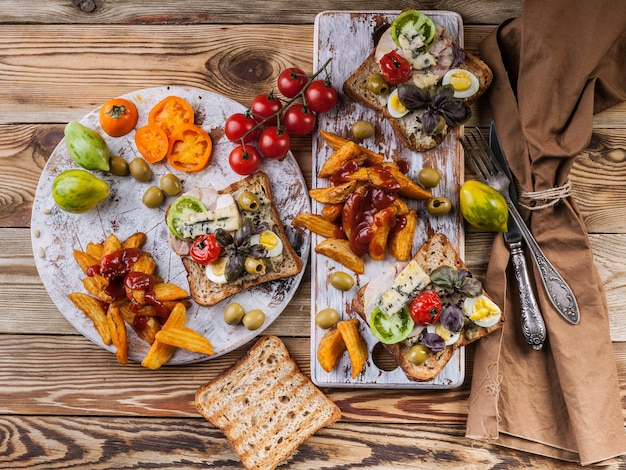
(357, 349)
(401, 241)
(408, 188)
(95, 310)
(111, 244)
(168, 291)
(96, 285)
(335, 142)
(332, 212)
(330, 349)
(159, 352)
(145, 264)
(118, 334)
(95, 250)
(348, 152)
(333, 194)
(85, 260)
(185, 338)
(136, 240)
(384, 220)
(339, 250)
(146, 328)
(316, 224)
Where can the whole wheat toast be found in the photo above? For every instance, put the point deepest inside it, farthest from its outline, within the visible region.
(206, 292)
(435, 252)
(265, 406)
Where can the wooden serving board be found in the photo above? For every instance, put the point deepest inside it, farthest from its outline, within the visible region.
(122, 213)
(347, 38)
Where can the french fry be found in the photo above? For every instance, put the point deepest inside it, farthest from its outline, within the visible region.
(338, 249)
(330, 349)
(95, 310)
(168, 291)
(333, 194)
(357, 349)
(119, 338)
(408, 187)
(332, 212)
(85, 260)
(348, 152)
(111, 244)
(159, 353)
(316, 224)
(95, 250)
(384, 220)
(145, 264)
(148, 329)
(136, 240)
(335, 142)
(401, 241)
(185, 338)
(96, 286)
(401, 207)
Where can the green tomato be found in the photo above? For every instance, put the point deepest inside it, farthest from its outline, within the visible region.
(413, 20)
(86, 147)
(78, 190)
(391, 329)
(178, 209)
(483, 207)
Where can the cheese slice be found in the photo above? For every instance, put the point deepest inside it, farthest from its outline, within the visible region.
(411, 279)
(199, 223)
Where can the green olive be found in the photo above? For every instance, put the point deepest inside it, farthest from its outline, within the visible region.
(429, 177)
(363, 129)
(234, 313)
(119, 166)
(254, 319)
(326, 318)
(171, 185)
(439, 206)
(377, 84)
(153, 197)
(248, 201)
(341, 281)
(418, 354)
(254, 265)
(140, 170)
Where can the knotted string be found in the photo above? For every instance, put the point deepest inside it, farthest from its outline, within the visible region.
(550, 197)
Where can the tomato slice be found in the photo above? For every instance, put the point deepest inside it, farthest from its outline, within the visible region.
(391, 329)
(410, 22)
(152, 143)
(181, 207)
(170, 113)
(190, 148)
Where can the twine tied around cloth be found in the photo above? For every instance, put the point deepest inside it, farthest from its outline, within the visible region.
(550, 197)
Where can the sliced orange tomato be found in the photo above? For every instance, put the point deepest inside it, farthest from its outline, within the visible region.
(170, 113)
(118, 117)
(190, 148)
(152, 143)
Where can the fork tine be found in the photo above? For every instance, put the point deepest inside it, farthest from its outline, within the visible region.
(478, 152)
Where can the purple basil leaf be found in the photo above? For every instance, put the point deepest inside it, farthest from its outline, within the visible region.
(257, 251)
(452, 318)
(413, 97)
(455, 112)
(459, 56)
(234, 268)
(430, 121)
(434, 342)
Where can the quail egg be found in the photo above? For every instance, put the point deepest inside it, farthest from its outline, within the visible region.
(270, 241)
(464, 82)
(395, 106)
(482, 311)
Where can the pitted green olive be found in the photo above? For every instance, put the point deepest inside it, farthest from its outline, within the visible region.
(119, 166)
(254, 319)
(377, 84)
(140, 170)
(418, 354)
(439, 206)
(233, 314)
(171, 185)
(153, 197)
(341, 281)
(326, 318)
(254, 265)
(429, 177)
(363, 129)
(248, 201)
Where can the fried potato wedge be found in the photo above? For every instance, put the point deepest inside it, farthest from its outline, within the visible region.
(95, 250)
(330, 349)
(333, 194)
(111, 244)
(96, 285)
(145, 264)
(338, 249)
(167, 291)
(148, 326)
(408, 188)
(400, 242)
(335, 142)
(348, 152)
(316, 224)
(136, 240)
(332, 212)
(95, 310)
(85, 260)
(384, 220)
(357, 349)
(159, 352)
(117, 327)
(185, 338)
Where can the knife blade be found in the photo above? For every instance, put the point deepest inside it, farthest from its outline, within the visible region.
(533, 325)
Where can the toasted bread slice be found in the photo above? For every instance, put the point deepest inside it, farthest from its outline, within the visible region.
(437, 251)
(206, 292)
(265, 406)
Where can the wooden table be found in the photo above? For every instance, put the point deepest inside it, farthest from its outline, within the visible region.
(66, 402)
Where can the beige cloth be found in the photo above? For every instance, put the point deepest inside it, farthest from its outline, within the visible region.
(554, 66)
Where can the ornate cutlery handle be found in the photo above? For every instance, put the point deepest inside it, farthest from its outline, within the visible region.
(533, 326)
(558, 290)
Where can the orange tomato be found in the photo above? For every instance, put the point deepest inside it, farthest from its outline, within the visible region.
(190, 148)
(170, 113)
(118, 117)
(152, 143)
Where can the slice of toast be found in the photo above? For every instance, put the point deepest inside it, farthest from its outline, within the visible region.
(265, 406)
(408, 128)
(206, 292)
(437, 251)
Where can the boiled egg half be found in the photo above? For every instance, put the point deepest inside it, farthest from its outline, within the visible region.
(395, 106)
(216, 270)
(448, 336)
(465, 83)
(272, 242)
(482, 311)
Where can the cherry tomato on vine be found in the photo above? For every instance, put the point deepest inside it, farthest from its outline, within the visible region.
(244, 160)
(320, 96)
(205, 249)
(237, 125)
(299, 120)
(274, 142)
(118, 117)
(266, 106)
(426, 308)
(291, 81)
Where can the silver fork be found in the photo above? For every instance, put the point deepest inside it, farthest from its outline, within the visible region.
(491, 173)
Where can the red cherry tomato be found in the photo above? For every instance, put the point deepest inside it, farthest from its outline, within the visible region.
(205, 249)
(291, 81)
(395, 68)
(299, 120)
(274, 142)
(266, 107)
(237, 125)
(320, 96)
(426, 308)
(244, 160)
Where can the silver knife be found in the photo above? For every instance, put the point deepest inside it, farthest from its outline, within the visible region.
(533, 326)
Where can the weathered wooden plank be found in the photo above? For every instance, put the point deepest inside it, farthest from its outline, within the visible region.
(223, 12)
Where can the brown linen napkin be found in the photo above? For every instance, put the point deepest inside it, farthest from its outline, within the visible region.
(554, 66)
